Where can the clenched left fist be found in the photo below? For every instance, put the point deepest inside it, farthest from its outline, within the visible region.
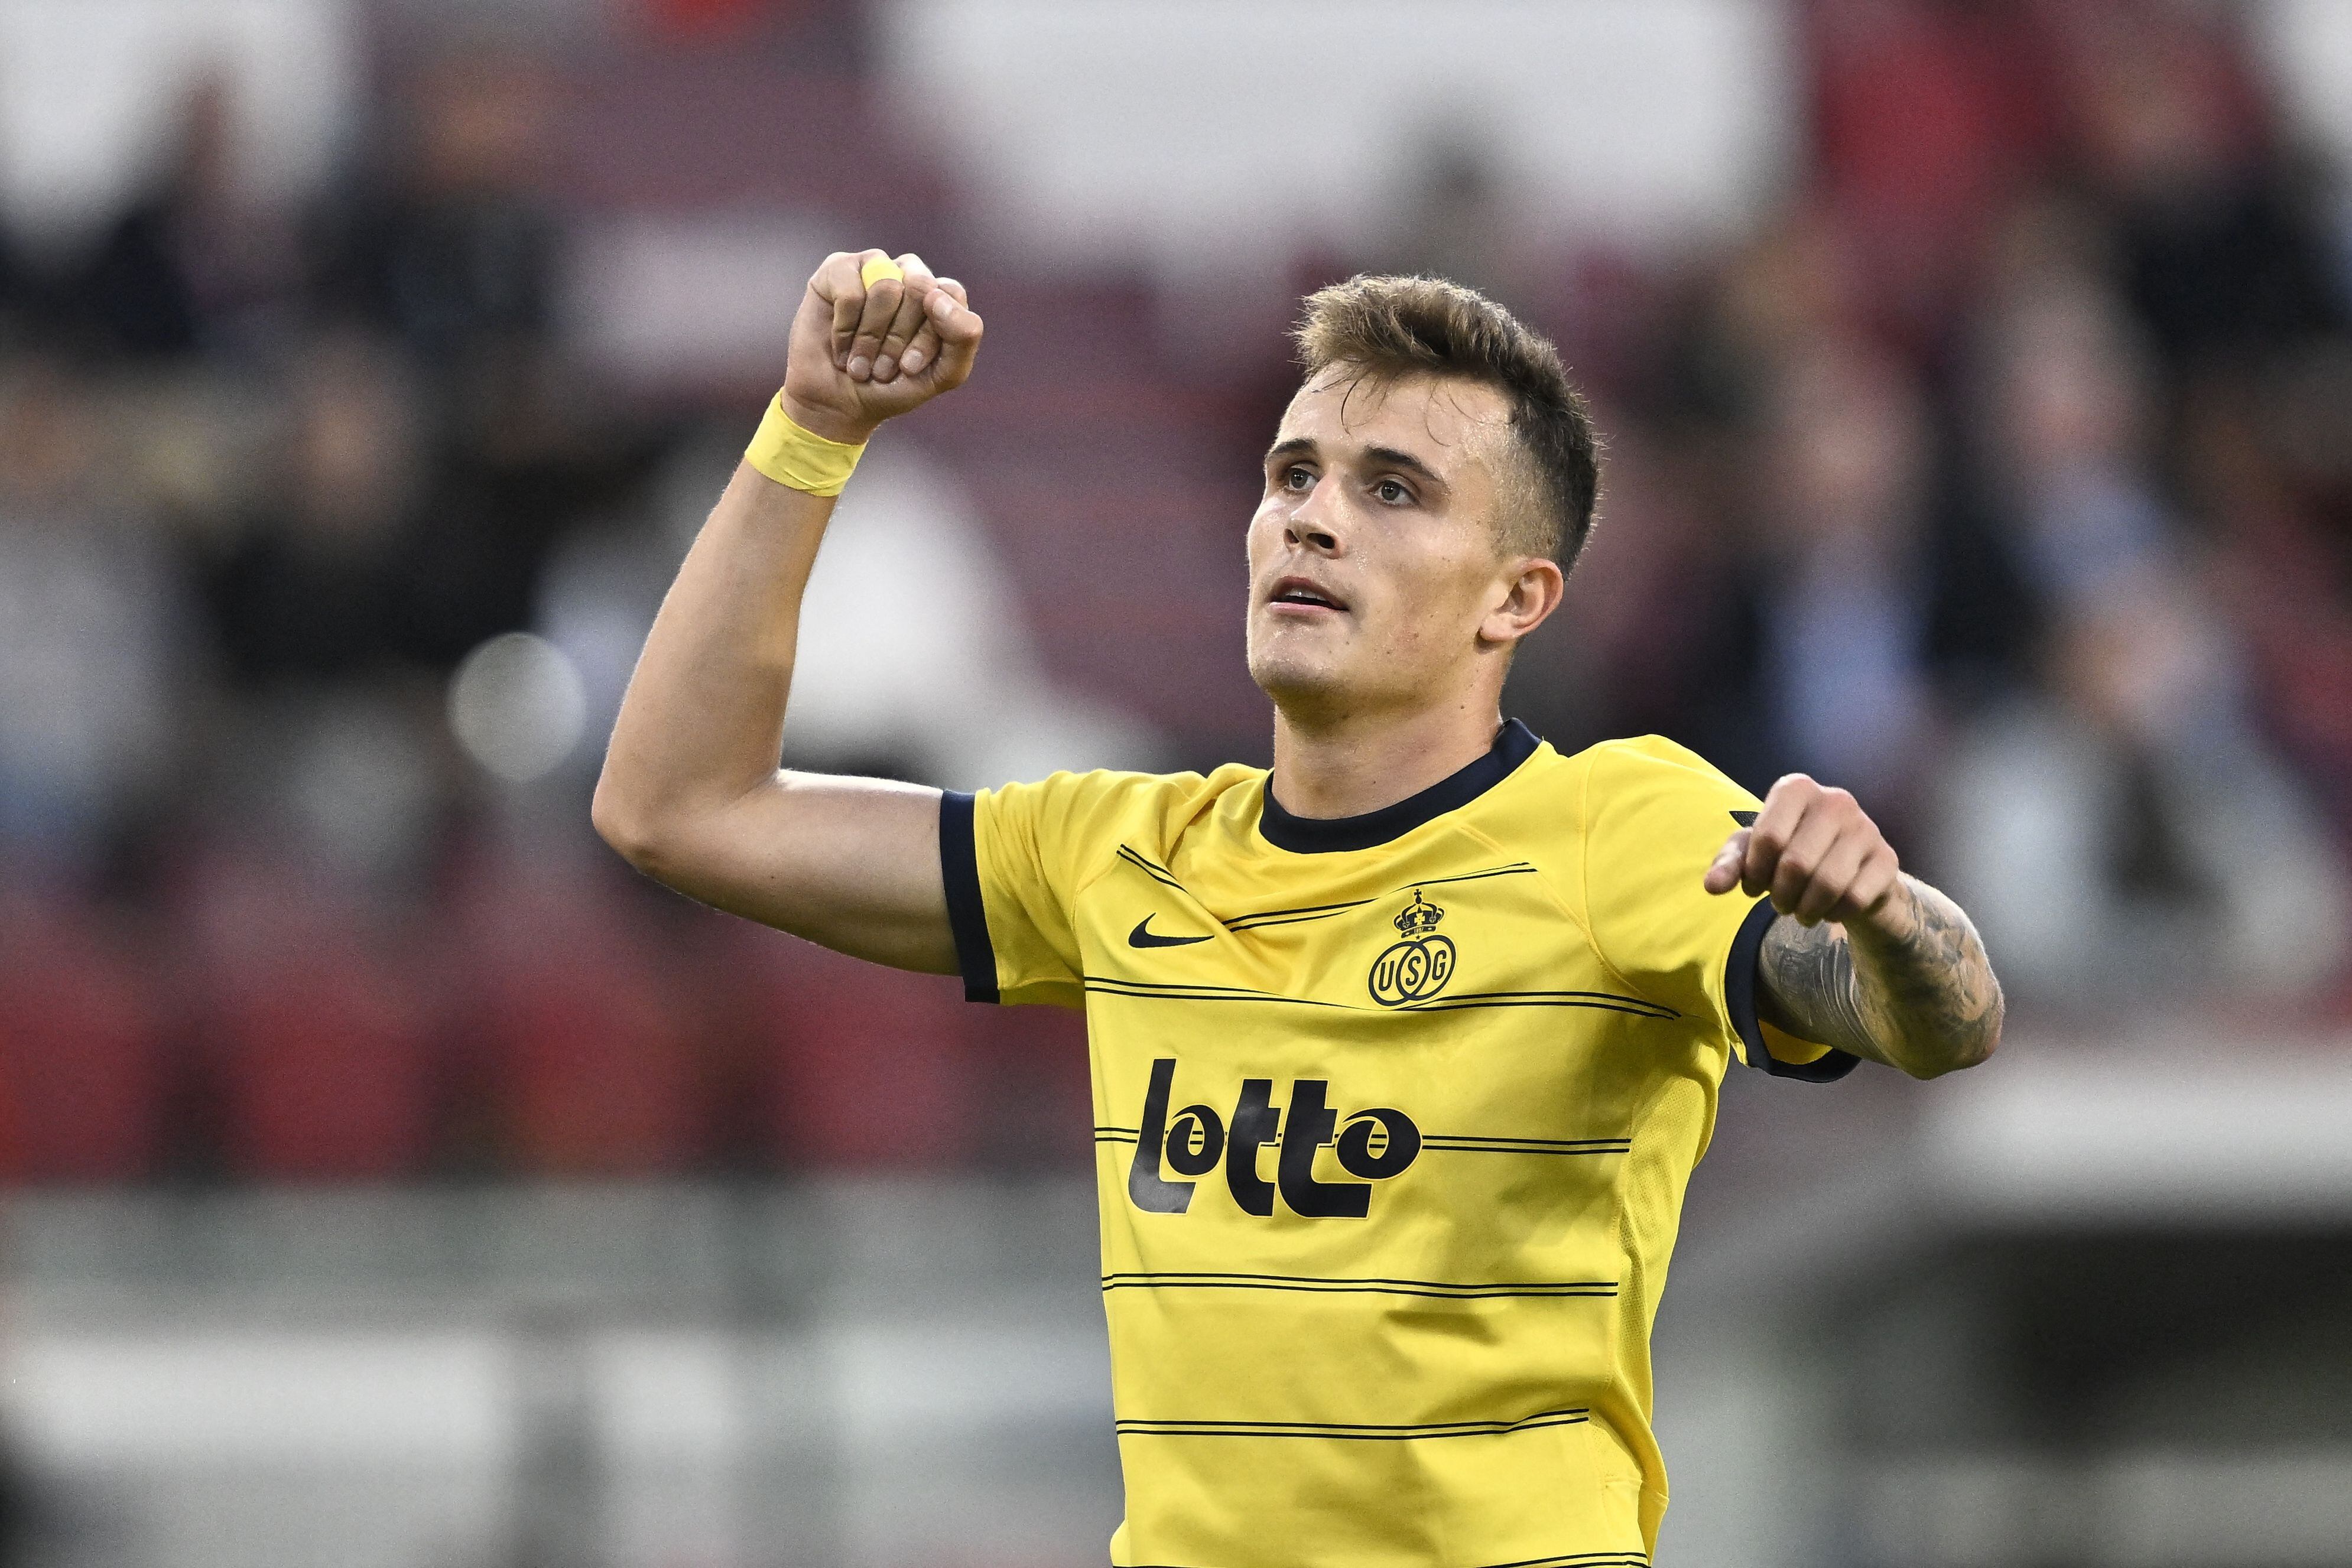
(1820, 856)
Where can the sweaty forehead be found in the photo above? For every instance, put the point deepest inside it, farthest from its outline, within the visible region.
(1444, 421)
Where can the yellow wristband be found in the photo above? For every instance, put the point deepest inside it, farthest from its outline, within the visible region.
(879, 268)
(800, 459)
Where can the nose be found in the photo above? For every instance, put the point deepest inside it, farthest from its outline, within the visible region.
(1309, 527)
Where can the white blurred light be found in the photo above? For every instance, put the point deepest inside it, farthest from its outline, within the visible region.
(518, 707)
(1115, 132)
(91, 91)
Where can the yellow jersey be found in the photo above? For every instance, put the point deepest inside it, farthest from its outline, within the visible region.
(1394, 1114)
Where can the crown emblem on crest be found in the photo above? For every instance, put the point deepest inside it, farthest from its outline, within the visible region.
(1418, 918)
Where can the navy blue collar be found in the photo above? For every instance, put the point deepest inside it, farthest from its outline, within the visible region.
(1323, 835)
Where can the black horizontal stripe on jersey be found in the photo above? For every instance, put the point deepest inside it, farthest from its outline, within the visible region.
(1307, 912)
(1159, 873)
(1117, 1135)
(1606, 1001)
(1517, 868)
(1313, 1284)
(1485, 1143)
(1178, 991)
(1193, 992)
(1351, 1431)
(1294, 916)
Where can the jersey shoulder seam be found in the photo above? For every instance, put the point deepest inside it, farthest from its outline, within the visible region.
(1201, 788)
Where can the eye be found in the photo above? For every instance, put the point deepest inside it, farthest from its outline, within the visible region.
(1296, 477)
(1392, 492)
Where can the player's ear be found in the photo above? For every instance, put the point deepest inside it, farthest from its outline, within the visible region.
(1524, 600)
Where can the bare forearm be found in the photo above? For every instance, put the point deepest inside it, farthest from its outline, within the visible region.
(703, 720)
(691, 793)
(1911, 988)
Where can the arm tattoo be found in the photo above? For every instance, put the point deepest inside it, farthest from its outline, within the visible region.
(1925, 1002)
(1805, 976)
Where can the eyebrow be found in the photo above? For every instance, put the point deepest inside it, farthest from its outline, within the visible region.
(1376, 456)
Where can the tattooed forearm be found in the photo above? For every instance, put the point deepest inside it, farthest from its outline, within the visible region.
(1912, 988)
(1805, 986)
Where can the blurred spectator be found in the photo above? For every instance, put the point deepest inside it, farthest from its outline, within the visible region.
(444, 243)
(313, 591)
(1866, 575)
(1629, 650)
(2222, 251)
(1844, 658)
(447, 246)
(2123, 835)
(2272, 469)
(91, 627)
(529, 455)
(16, 291)
(195, 264)
(1835, 680)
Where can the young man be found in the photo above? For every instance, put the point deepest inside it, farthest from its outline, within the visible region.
(1404, 1052)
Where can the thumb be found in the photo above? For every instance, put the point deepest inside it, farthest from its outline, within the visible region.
(1724, 874)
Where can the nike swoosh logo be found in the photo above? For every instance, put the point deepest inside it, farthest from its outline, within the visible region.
(1141, 937)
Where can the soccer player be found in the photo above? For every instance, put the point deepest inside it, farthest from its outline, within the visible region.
(1403, 1050)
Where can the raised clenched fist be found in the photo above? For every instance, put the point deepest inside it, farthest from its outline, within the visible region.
(862, 353)
(1820, 856)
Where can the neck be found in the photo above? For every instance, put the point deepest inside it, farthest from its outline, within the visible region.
(1349, 766)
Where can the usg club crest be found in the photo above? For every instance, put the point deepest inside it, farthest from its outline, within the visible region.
(1416, 968)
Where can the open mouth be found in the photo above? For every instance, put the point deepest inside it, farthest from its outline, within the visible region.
(1299, 593)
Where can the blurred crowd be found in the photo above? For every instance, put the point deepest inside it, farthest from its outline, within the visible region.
(2002, 473)
(2005, 476)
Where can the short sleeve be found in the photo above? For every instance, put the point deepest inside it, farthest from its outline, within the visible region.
(1013, 860)
(1654, 817)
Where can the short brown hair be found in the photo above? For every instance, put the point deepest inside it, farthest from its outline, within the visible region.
(1402, 326)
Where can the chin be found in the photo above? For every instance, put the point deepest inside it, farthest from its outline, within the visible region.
(1286, 677)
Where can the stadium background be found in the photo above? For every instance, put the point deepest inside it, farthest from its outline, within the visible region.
(391, 1179)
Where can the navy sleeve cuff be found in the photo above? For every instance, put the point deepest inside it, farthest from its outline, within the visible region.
(1739, 996)
(959, 868)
